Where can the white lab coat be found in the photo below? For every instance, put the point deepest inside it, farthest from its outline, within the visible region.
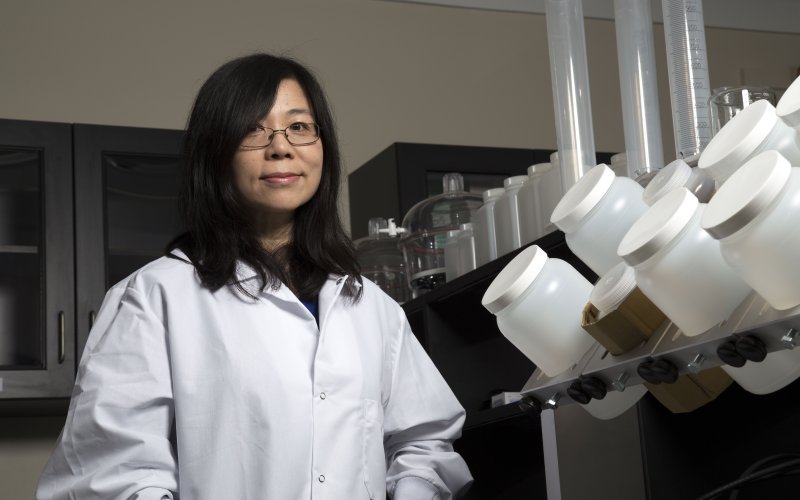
(208, 395)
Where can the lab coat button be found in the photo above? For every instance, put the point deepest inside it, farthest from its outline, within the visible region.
(321, 478)
(322, 395)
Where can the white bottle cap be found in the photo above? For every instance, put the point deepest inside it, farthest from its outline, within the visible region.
(738, 139)
(517, 180)
(514, 279)
(788, 107)
(612, 288)
(539, 169)
(492, 194)
(672, 176)
(658, 226)
(746, 194)
(582, 197)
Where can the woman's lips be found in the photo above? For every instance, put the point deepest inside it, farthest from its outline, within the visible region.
(280, 178)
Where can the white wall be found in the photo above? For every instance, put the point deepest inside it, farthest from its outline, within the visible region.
(393, 71)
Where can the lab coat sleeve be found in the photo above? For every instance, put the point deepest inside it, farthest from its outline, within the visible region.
(421, 419)
(116, 439)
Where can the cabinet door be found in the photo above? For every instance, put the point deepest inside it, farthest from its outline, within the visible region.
(126, 209)
(37, 335)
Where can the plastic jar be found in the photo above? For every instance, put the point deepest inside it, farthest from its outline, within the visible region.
(779, 369)
(507, 215)
(679, 174)
(753, 130)
(756, 217)
(483, 228)
(678, 265)
(596, 213)
(538, 197)
(538, 303)
(788, 107)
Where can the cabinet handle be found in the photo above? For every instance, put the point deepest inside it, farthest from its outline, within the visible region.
(92, 316)
(62, 353)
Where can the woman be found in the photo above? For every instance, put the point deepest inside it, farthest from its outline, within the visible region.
(253, 362)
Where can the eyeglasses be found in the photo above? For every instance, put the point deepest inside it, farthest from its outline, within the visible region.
(298, 134)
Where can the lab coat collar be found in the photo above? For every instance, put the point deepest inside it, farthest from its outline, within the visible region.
(248, 277)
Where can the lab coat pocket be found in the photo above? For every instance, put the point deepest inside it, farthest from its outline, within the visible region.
(373, 455)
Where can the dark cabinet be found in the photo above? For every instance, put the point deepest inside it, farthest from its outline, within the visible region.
(81, 207)
(37, 334)
(126, 184)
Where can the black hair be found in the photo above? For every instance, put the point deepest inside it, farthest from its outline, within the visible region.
(220, 232)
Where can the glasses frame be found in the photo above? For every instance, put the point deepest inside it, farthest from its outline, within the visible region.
(271, 136)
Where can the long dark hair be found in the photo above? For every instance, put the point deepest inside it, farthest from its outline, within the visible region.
(219, 231)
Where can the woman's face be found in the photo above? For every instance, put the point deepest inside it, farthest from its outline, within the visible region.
(278, 179)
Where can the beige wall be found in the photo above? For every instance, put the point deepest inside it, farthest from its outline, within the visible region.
(393, 71)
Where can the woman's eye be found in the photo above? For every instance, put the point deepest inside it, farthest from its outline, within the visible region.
(300, 127)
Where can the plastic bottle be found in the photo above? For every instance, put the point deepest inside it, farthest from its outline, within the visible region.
(507, 216)
(538, 197)
(678, 174)
(538, 303)
(466, 249)
(755, 216)
(596, 213)
(678, 265)
(753, 130)
(483, 228)
(788, 107)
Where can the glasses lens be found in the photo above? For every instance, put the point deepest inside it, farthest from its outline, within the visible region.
(302, 133)
(298, 134)
(256, 138)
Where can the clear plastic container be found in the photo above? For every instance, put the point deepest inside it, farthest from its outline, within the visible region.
(538, 303)
(466, 249)
(727, 102)
(756, 217)
(538, 197)
(483, 228)
(596, 213)
(507, 215)
(753, 130)
(427, 224)
(779, 369)
(678, 265)
(382, 260)
(788, 107)
(679, 174)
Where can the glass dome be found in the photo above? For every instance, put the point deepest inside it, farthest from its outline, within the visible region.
(382, 260)
(426, 225)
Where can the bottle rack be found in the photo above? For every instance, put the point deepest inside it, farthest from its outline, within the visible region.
(778, 330)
